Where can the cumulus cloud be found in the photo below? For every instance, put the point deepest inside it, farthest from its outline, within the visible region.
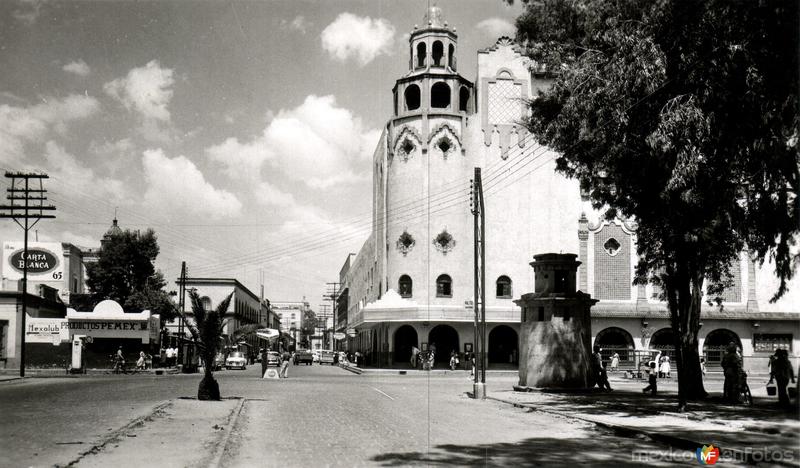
(65, 168)
(22, 125)
(268, 194)
(496, 27)
(299, 23)
(317, 142)
(362, 38)
(78, 67)
(193, 195)
(148, 91)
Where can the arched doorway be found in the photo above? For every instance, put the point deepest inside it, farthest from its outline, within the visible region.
(715, 343)
(615, 340)
(503, 345)
(445, 340)
(664, 341)
(404, 339)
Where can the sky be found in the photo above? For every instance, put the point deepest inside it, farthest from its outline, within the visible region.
(240, 131)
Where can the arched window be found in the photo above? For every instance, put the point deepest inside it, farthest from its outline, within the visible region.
(206, 301)
(422, 51)
(504, 287)
(451, 56)
(440, 95)
(444, 286)
(412, 97)
(405, 286)
(437, 53)
(463, 98)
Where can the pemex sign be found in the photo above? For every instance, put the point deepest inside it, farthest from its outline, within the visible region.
(45, 261)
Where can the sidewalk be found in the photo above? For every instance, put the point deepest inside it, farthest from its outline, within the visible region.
(747, 434)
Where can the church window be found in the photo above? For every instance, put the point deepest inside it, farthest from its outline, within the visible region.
(440, 95)
(504, 287)
(451, 57)
(611, 246)
(412, 97)
(421, 53)
(405, 285)
(463, 98)
(444, 145)
(437, 53)
(444, 286)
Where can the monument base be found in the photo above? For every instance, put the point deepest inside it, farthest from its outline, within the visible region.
(479, 391)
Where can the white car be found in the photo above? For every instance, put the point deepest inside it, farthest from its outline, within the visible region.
(237, 360)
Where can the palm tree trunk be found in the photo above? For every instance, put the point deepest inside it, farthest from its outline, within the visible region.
(209, 387)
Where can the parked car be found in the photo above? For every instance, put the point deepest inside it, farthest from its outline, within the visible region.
(236, 359)
(326, 356)
(303, 356)
(219, 361)
(273, 358)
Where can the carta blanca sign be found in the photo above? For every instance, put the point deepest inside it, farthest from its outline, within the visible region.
(43, 259)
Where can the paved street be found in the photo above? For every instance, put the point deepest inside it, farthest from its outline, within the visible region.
(320, 416)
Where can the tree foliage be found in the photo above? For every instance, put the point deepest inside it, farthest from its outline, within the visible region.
(206, 328)
(681, 115)
(125, 272)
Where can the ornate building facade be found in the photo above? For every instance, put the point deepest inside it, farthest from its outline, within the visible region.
(411, 284)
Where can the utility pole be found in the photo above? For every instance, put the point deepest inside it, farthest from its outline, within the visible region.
(333, 295)
(26, 204)
(323, 314)
(477, 208)
(182, 307)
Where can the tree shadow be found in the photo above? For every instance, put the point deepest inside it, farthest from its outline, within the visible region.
(602, 450)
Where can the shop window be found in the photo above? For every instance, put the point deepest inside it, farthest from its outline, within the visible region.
(444, 286)
(770, 342)
(503, 287)
(440, 95)
(412, 97)
(405, 286)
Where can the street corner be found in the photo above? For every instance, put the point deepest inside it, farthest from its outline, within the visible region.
(179, 432)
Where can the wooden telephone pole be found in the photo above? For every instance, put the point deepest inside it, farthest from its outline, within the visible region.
(477, 208)
(26, 204)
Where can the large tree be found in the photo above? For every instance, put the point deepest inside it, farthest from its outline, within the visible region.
(682, 115)
(125, 272)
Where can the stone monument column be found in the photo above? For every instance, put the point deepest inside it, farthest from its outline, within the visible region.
(555, 331)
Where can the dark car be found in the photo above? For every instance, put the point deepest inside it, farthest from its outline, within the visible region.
(303, 356)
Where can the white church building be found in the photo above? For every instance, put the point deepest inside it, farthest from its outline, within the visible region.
(411, 284)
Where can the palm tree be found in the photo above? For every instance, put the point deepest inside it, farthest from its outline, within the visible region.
(207, 332)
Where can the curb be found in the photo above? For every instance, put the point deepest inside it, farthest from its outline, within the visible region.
(353, 369)
(671, 440)
(232, 419)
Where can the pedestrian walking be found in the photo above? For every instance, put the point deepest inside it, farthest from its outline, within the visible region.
(357, 358)
(414, 356)
(141, 362)
(453, 360)
(614, 362)
(599, 370)
(652, 380)
(732, 369)
(703, 365)
(666, 369)
(781, 371)
(285, 358)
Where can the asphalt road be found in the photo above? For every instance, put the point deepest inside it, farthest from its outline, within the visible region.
(320, 416)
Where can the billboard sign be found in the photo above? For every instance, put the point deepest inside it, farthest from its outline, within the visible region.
(45, 261)
(46, 330)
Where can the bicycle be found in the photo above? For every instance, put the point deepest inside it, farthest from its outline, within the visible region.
(118, 366)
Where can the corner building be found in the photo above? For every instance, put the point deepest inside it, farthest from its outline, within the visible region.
(411, 284)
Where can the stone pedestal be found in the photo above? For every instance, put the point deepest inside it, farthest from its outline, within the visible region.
(555, 333)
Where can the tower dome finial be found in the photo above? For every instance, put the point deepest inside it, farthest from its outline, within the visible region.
(433, 17)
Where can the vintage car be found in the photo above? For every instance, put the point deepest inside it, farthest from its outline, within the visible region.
(303, 356)
(237, 360)
(326, 356)
(273, 358)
